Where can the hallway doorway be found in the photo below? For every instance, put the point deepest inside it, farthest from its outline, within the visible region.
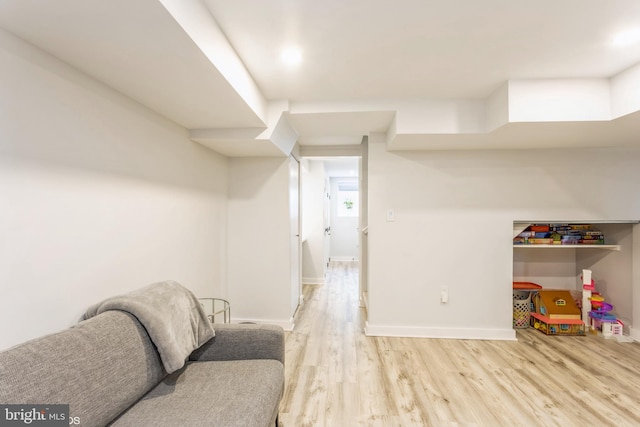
(344, 213)
(331, 214)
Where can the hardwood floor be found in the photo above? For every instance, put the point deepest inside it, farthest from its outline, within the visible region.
(336, 376)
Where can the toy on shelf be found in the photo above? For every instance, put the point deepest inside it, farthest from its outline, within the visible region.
(559, 234)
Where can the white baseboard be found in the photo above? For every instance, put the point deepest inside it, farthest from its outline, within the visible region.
(431, 332)
(634, 333)
(287, 325)
(313, 280)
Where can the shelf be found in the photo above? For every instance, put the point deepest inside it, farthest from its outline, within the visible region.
(602, 247)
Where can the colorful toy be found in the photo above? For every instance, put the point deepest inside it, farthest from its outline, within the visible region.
(556, 304)
(557, 313)
(557, 326)
(617, 329)
(596, 310)
(588, 285)
(600, 314)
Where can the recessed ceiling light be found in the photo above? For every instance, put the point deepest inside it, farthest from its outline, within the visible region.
(627, 38)
(291, 56)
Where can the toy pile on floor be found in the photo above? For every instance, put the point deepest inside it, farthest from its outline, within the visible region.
(558, 312)
(596, 312)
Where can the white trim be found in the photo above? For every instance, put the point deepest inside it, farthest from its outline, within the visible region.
(331, 150)
(313, 280)
(431, 332)
(634, 333)
(364, 300)
(287, 325)
(343, 258)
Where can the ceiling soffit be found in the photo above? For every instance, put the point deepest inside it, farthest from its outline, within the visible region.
(182, 65)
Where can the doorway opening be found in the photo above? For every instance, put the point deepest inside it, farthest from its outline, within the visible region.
(331, 215)
(344, 218)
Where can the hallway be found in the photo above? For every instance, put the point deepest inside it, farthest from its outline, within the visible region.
(338, 377)
(320, 360)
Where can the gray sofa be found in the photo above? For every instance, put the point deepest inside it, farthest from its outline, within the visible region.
(109, 372)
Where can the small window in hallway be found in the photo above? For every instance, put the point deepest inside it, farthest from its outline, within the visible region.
(348, 198)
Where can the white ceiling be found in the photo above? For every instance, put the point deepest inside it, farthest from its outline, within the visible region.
(340, 167)
(430, 74)
(376, 49)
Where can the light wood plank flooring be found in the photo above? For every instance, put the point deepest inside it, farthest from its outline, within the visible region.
(336, 376)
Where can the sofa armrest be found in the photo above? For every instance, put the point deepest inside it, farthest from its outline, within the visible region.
(242, 342)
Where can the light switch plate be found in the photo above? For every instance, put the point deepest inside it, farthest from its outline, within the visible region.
(444, 295)
(391, 215)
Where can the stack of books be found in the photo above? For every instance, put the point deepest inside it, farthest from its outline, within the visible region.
(560, 234)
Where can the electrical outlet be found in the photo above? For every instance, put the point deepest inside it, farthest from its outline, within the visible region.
(444, 295)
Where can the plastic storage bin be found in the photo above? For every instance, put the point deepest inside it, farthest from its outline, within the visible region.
(522, 303)
(521, 309)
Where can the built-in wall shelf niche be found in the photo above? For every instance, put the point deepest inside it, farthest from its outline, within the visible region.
(559, 266)
(563, 235)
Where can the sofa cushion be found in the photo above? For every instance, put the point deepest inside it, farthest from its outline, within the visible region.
(240, 393)
(243, 342)
(99, 367)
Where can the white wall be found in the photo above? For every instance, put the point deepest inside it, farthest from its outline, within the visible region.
(98, 196)
(259, 277)
(554, 269)
(312, 205)
(344, 229)
(453, 228)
